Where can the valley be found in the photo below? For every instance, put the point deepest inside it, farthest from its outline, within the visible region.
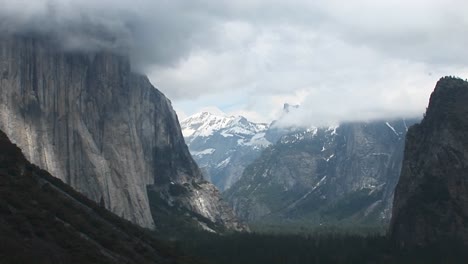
(285, 176)
(233, 132)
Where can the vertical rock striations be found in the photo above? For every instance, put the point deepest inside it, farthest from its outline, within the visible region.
(336, 175)
(89, 120)
(431, 198)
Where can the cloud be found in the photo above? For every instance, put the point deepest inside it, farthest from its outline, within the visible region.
(352, 61)
(152, 32)
(342, 60)
(426, 31)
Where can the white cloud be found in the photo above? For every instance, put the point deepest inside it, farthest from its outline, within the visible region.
(356, 60)
(342, 60)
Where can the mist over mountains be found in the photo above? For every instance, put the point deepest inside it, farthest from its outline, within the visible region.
(299, 52)
(343, 175)
(223, 145)
(147, 31)
(281, 174)
(96, 167)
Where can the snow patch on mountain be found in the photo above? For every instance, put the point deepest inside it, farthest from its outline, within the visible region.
(392, 128)
(223, 145)
(207, 124)
(300, 135)
(333, 129)
(224, 163)
(203, 152)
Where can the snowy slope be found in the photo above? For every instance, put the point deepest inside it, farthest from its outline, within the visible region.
(206, 124)
(223, 145)
(338, 174)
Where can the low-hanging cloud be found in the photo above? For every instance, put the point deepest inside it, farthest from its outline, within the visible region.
(341, 60)
(151, 32)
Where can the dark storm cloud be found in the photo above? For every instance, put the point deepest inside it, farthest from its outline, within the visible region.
(163, 32)
(76, 27)
(154, 32)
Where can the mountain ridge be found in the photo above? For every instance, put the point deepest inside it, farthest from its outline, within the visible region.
(431, 204)
(222, 145)
(335, 175)
(44, 220)
(95, 124)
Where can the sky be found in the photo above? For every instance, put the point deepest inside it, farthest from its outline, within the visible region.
(340, 60)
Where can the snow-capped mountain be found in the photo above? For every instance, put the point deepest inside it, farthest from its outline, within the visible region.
(205, 124)
(223, 145)
(335, 175)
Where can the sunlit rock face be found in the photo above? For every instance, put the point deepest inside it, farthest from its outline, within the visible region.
(89, 120)
(431, 198)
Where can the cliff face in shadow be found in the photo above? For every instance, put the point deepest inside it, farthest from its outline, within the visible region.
(431, 198)
(96, 125)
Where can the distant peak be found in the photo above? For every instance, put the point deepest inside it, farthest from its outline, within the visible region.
(206, 123)
(287, 107)
(205, 115)
(448, 101)
(452, 78)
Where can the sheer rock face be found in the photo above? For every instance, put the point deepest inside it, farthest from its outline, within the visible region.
(431, 198)
(92, 122)
(335, 175)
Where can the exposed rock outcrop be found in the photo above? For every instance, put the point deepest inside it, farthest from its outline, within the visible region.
(336, 175)
(90, 121)
(431, 198)
(223, 145)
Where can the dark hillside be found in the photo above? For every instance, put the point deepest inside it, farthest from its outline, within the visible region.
(42, 220)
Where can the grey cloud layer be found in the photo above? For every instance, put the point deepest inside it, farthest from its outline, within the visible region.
(166, 31)
(153, 32)
(342, 60)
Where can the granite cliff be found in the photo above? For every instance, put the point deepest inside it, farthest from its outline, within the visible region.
(431, 198)
(89, 120)
(324, 176)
